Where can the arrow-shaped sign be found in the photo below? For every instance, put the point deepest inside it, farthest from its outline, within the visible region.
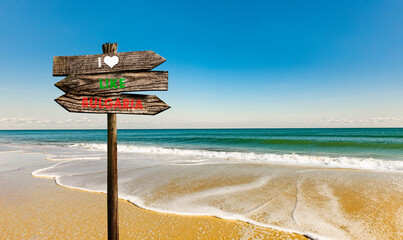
(113, 103)
(104, 63)
(114, 82)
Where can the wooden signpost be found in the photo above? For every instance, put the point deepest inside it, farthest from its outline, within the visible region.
(94, 84)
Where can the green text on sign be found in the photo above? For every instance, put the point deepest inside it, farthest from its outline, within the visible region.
(111, 83)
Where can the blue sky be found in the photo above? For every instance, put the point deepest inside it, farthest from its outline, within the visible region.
(231, 63)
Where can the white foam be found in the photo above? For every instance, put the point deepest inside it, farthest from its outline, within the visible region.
(183, 207)
(293, 159)
(144, 172)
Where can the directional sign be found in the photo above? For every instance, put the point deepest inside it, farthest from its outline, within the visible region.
(113, 103)
(114, 82)
(105, 63)
(94, 84)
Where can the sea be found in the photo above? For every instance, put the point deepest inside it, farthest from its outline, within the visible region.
(362, 148)
(186, 171)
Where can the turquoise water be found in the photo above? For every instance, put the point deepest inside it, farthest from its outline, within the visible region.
(378, 143)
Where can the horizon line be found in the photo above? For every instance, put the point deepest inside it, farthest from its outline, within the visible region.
(203, 128)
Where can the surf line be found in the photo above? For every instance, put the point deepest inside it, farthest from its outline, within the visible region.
(110, 103)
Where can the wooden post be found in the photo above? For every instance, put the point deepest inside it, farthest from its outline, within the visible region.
(112, 179)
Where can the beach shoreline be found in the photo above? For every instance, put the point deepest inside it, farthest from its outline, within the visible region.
(37, 208)
(321, 203)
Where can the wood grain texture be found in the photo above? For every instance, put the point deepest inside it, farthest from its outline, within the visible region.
(110, 47)
(112, 179)
(134, 81)
(112, 173)
(88, 64)
(151, 104)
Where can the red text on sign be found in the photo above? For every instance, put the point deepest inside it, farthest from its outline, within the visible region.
(110, 103)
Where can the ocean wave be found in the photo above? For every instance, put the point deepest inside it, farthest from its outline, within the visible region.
(386, 143)
(293, 159)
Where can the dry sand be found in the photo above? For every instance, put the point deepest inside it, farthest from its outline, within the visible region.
(36, 208)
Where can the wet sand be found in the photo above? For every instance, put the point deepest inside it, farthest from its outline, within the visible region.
(37, 208)
(330, 203)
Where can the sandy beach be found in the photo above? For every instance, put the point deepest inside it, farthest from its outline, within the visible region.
(37, 208)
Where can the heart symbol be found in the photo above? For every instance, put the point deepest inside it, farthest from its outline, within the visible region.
(111, 61)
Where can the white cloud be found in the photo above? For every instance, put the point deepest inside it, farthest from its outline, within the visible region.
(368, 120)
(99, 122)
(40, 123)
(23, 120)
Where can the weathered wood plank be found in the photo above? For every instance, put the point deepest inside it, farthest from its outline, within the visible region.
(133, 81)
(151, 104)
(91, 64)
